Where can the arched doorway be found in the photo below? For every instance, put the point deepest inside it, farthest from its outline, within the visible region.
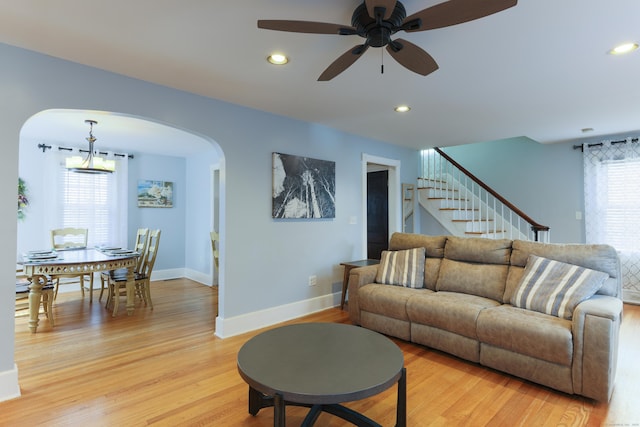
(151, 142)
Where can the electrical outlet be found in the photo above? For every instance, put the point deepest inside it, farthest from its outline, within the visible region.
(313, 280)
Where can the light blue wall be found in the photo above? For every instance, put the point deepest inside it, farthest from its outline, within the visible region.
(171, 221)
(543, 180)
(198, 257)
(267, 262)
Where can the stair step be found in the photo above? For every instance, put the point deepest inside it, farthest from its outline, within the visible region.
(477, 233)
(472, 220)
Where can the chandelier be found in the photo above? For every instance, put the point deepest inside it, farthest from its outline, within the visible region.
(92, 164)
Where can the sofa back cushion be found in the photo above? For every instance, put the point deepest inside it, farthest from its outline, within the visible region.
(434, 252)
(595, 257)
(475, 266)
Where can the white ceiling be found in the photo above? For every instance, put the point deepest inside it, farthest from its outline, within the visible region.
(540, 69)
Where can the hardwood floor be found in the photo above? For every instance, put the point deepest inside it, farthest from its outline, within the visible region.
(166, 368)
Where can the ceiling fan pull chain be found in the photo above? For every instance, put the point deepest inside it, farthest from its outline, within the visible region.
(381, 61)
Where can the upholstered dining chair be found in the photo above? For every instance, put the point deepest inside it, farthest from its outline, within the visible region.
(118, 282)
(64, 239)
(22, 295)
(142, 240)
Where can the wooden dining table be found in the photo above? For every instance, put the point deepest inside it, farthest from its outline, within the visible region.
(70, 262)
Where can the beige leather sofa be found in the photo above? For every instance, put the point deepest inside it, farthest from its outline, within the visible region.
(464, 308)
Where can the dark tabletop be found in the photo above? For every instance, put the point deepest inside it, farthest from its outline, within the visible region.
(320, 363)
(361, 262)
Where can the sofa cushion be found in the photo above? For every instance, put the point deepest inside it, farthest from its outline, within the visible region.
(485, 280)
(555, 287)
(390, 301)
(448, 311)
(404, 268)
(434, 245)
(478, 250)
(527, 332)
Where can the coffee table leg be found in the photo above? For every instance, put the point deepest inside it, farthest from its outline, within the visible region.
(401, 408)
(256, 401)
(278, 411)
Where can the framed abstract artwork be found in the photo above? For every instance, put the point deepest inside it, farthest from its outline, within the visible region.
(155, 194)
(303, 187)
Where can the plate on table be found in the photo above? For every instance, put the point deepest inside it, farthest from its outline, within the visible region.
(108, 248)
(121, 252)
(40, 252)
(49, 255)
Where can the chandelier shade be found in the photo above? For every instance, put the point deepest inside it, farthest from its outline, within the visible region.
(92, 164)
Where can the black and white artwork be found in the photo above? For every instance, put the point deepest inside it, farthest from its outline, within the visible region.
(303, 187)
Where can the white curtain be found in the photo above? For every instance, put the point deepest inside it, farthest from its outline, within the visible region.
(97, 202)
(612, 205)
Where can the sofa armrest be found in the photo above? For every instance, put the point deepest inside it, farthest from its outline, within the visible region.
(596, 328)
(359, 277)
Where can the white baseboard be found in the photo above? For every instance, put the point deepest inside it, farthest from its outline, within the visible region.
(198, 276)
(237, 325)
(9, 387)
(168, 274)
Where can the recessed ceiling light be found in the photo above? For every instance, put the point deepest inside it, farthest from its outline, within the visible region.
(402, 109)
(277, 59)
(624, 48)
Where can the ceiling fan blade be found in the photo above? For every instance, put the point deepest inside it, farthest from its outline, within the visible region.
(305, 27)
(388, 5)
(412, 57)
(454, 12)
(343, 62)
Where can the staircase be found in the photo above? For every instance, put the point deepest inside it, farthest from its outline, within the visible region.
(465, 206)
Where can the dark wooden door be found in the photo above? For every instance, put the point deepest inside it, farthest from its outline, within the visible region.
(377, 213)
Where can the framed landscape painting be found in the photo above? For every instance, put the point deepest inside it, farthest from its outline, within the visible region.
(155, 194)
(303, 187)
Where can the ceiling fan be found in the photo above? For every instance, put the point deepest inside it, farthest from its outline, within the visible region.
(377, 20)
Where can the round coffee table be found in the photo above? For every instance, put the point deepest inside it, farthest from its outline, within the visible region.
(320, 365)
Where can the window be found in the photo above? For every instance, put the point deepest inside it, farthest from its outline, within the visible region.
(87, 201)
(612, 205)
(97, 202)
(622, 207)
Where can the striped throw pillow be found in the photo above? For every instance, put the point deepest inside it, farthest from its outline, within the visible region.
(554, 287)
(404, 268)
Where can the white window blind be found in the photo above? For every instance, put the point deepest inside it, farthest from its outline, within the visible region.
(97, 202)
(622, 207)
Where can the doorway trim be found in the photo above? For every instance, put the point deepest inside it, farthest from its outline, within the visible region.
(393, 166)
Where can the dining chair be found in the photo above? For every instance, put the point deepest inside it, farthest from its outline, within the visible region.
(142, 240)
(22, 295)
(118, 282)
(64, 239)
(215, 242)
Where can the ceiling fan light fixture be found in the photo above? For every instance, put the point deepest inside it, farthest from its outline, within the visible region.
(277, 59)
(402, 109)
(624, 48)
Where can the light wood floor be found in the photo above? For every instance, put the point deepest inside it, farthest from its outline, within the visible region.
(166, 368)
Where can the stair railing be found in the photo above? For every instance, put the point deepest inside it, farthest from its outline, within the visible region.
(476, 201)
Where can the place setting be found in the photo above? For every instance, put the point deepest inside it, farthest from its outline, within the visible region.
(116, 251)
(40, 255)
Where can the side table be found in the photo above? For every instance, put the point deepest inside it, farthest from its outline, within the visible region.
(347, 269)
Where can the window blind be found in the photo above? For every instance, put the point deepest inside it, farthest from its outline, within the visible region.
(89, 201)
